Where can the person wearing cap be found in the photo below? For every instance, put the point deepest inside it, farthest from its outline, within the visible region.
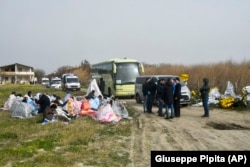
(204, 91)
(50, 113)
(177, 97)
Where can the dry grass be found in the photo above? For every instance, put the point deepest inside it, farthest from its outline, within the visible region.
(83, 74)
(218, 73)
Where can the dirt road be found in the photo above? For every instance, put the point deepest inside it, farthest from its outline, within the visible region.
(223, 130)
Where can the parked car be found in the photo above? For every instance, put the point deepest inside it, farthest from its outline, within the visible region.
(55, 83)
(185, 92)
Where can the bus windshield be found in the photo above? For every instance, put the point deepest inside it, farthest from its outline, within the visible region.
(126, 73)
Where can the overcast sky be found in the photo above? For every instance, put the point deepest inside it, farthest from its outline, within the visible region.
(48, 34)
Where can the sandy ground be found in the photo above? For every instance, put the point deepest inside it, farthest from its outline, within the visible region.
(223, 130)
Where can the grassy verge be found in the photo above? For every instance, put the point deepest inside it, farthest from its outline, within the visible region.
(84, 142)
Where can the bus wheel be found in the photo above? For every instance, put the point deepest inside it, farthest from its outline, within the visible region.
(109, 92)
(137, 98)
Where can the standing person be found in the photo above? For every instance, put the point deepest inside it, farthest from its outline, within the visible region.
(151, 90)
(173, 80)
(169, 99)
(159, 95)
(204, 90)
(177, 97)
(102, 85)
(144, 91)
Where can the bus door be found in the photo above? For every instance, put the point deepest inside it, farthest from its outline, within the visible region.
(109, 88)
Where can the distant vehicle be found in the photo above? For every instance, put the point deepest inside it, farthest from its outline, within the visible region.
(119, 76)
(185, 92)
(70, 82)
(45, 81)
(55, 83)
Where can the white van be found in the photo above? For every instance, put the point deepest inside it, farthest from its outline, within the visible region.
(185, 92)
(70, 82)
(45, 81)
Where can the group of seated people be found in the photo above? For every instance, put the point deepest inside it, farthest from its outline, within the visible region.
(97, 107)
(54, 108)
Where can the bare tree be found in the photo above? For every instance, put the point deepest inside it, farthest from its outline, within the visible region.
(62, 70)
(39, 73)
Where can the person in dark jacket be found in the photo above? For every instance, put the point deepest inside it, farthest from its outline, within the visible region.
(177, 97)
(169, 99)
(144, 92)
(159, 95)
(204, 91)
(151, 90)
(43, 101)
(102, 85)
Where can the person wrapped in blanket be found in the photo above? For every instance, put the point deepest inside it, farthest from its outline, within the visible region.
(93, 100)
(51, 115)
(90, 104)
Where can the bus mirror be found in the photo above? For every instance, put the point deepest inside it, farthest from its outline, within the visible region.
(114, 68)
(141, 68)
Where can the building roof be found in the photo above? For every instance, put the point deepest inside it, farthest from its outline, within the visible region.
(16, 64)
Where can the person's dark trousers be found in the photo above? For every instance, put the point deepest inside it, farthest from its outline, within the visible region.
(42, 108)
(205, 106)
(177, 107)
(150, 100)
(145, 103)
(160, 107)
(171, 114)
